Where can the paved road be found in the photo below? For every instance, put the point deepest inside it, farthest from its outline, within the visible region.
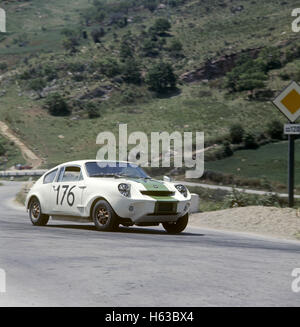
(69, 264)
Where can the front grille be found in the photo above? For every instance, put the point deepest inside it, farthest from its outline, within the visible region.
(158, 193)
(166, 208)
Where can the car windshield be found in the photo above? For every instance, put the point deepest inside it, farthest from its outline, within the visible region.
(115, 169)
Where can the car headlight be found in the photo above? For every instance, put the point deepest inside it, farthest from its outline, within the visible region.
(182, 189)
(124, 189)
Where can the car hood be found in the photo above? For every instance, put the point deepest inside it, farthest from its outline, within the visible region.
(140, 183)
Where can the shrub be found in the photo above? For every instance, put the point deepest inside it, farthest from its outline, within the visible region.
(37, 84)
(110, 67)
(175, 48)
(50, 72)
(92, 110)
(236, 133)
(275, 130)
(125, 51)
(97, 34)
(3, 66)
(149, 48)
(248, 74)
(131, 72)
(76, 67)
(242, 199)
(227, 151)
(250, 141)
(57, 105)
(161, 77)
(151, 4)
(2, 148)
(161, 26)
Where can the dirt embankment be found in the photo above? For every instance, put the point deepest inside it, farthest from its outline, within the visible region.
(270, 221)
(30, 157)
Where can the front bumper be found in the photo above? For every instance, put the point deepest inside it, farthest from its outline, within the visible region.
(147, 211)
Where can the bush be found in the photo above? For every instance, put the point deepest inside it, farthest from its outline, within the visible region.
(131, 72)
(149, 48)
(242, 199)
(110, 67)
(161, 77)
(275, 130)
(125, 51)
(248, 74)
(175, 48)
(3, 66)
(161, 26)
(227, 151)
(2, 148)
(76, 67)
(236, 133)
(37, 84)
(250, 141)
(50, 73)
(97, 34)
(92, 110)
(57, 105)
(150, 4)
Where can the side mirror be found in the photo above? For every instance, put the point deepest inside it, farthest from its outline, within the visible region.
(167, 179)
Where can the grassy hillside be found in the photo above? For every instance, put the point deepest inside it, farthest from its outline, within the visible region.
(50, 48)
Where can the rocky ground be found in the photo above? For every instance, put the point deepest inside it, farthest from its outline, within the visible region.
(270, 221)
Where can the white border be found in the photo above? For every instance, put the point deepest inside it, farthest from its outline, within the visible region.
(277, 102)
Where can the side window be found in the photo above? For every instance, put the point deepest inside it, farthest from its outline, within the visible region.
(49, 178)
(71, 174)
(60, 174)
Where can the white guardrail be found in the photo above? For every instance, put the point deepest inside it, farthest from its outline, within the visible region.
(195, 203)
(27, 172)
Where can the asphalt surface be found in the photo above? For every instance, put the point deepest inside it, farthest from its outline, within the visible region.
(66, 264)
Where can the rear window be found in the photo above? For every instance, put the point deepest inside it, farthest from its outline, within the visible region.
(49, 178)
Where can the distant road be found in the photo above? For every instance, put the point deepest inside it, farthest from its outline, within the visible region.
(66, 264)
(30, 157)
(230, 189)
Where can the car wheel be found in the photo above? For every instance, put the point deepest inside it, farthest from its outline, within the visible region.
(178, 226)
(35, 213)
(104, 217)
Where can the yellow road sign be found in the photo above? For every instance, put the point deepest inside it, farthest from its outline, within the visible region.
(288, 101)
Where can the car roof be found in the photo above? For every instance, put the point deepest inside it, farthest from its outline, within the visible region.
(81, 162)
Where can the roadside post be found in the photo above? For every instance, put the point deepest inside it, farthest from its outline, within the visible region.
(288, 102)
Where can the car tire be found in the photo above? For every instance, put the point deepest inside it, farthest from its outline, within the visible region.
(178, 226)
(104, 217)
(35, 213)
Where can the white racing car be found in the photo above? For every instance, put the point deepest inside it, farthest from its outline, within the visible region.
(109, 194)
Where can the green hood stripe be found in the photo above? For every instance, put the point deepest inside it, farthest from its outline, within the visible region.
(151, 184)
(154, 185)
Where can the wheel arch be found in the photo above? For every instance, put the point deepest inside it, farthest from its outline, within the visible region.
(98, 198)
(33, 196)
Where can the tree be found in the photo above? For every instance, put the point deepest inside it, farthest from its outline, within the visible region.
(56, 105)
(97, 34)
(125, 50)
(175, 48)
(131, 71)
(161, 77)
(161, 26)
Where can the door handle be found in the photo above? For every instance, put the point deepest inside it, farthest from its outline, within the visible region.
(82, 186)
